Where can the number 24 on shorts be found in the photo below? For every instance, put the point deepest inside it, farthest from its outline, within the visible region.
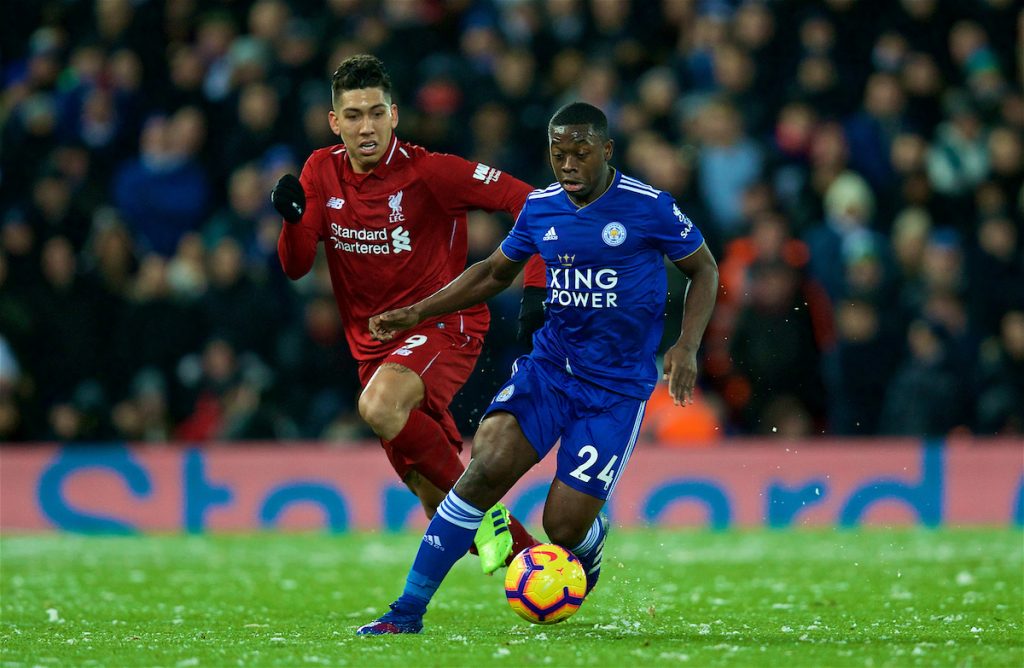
(588, 454)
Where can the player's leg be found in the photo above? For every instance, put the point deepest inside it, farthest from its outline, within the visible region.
(500, 536)
(444, 359)
(429, 442)
(591, 458)
(520, 426)
(389, 404)
(429, 494)
(424, 452)
(501, 455)
(574, 520)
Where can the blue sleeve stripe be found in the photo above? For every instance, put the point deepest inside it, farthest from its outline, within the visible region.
(629, 180)
(553, 186)
(646, 193)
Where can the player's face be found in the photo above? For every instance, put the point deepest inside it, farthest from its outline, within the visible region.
(579, 160)
(364, 118)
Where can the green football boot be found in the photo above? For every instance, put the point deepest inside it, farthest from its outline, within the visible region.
(493, 539)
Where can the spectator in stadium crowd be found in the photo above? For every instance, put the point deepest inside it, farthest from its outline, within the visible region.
(845, 231)
(1000, 403)
(775, 346)
(66, 332)
(730, 161)
(163, 194)
(858, 370)
(316, 367)
(234, 301)
(924, 397)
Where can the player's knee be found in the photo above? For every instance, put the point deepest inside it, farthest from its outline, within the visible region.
(496, 462)
(485, 473)
(385, 419)
(564, 531)
(500, 457)
(485, 481)
(565, 525)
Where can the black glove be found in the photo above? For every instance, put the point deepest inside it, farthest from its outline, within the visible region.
(289, 198)
(532, 312)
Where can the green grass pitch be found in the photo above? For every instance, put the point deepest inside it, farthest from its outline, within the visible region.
(761, 598)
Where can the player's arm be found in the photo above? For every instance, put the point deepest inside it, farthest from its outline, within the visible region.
(532, 310)
(681, 359)
(298, 202)
(463, 185)
(478, 283)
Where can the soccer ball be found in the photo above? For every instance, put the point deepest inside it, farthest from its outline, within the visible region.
(545, 584)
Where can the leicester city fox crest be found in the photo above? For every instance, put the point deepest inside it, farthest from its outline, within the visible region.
(614, 234)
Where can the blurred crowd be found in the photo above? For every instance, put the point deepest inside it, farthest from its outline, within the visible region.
(855, 165)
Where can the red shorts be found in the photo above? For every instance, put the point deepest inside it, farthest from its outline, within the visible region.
(443, 358)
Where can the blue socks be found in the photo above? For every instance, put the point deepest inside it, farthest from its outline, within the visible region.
(590, 550)
(448, 537)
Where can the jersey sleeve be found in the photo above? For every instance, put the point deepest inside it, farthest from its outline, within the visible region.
(672, 232)
(518, 246)
(461, 185)
(296, 245)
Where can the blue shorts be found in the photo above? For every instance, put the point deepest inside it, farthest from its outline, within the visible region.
(598, 427)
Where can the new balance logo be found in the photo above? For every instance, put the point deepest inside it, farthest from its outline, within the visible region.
(550, 235)
(433, 541)
(485, 173)
(335, 203)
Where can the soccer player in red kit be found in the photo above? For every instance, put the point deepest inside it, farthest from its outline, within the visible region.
(392, 217)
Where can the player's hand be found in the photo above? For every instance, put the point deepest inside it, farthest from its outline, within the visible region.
(384, 326)
(532, 311)
(289, 198)
(681, 374)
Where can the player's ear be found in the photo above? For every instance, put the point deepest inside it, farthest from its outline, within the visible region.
(609, 148)
(332, 120)
(394, 115)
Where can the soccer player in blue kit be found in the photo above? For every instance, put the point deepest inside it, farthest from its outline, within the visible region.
(602, 236)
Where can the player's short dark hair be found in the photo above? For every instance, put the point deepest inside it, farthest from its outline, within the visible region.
(360, 71)
(581, 113)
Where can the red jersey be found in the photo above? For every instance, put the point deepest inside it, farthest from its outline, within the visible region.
(395, 235)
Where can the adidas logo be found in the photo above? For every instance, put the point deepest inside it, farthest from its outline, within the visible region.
(335, 203)
(433, 541)
(550, 235)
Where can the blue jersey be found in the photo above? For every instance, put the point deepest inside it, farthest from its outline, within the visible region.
(605, 278)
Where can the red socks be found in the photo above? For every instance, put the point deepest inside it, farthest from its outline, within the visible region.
(423, 443)
(521, 538)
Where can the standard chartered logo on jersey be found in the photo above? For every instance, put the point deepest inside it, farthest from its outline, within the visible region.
(583, 288)
(370, 242)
